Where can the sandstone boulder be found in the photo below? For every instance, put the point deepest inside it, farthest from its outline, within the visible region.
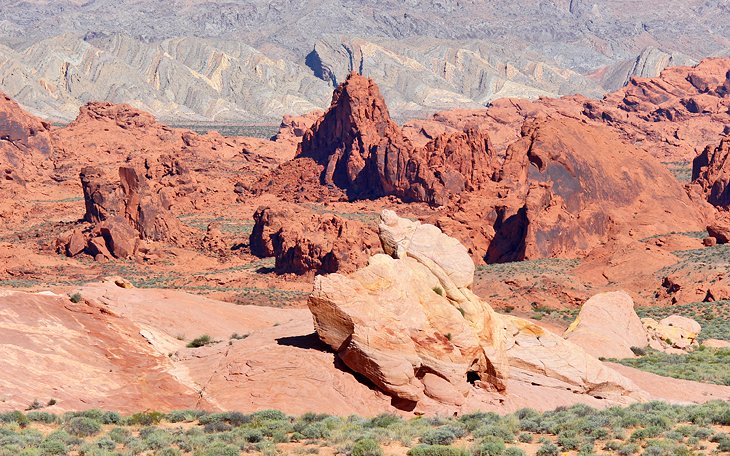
(410, 323)
(673, 334)
(607, 326)
(716, 343)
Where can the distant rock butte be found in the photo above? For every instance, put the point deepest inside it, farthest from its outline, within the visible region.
(563, 186)
(364, 152)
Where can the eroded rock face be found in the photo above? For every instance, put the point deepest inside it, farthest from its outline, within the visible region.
(364, 152)
(25, 143)
(302, 241)
(607, 326)
(122, 213)
(711, 173)
(570, 185)
(410, 323)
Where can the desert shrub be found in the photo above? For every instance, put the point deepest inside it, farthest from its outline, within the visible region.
(145, 418)
(436, 450)
(366, 447)
(628, 449)
(106, 444)
(168, 452)
(514, 451)
(219, 449)
(472, 421)
(157, 439)
(119, 435)
(200, 341)
(14, 417)
(723, 445)
(273, 415)
(76, 298)
(82, 426)
(548, 449)
(525, 437)
(179, 416)
(53, 447)
(568, 441)
(490, 446)
(315, 431)
(215, 427)
(42, 417)
(250, 435)
(439, 436)
(383, 421)
(646, 433)
(496, 430)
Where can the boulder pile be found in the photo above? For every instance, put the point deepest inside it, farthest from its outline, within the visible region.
(608, 326)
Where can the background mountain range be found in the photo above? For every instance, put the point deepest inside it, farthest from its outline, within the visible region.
(253, 61)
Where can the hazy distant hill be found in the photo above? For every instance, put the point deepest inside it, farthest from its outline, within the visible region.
(256, 60)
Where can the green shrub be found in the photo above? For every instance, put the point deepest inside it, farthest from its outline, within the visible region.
(525, 437)
(438, 436)
(145, 418)
(490, 446)
(548, 449)
(568, 441)
(168, 452)
(82, 426)
(366, 447)
(514, 451)
(42, 417)
(14, 417)
(119, 435)
(383, 421)
(51, 447)
(76, 298)
(200, 341)
(436, 450)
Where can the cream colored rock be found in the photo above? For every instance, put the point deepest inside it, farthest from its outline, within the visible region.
(607, 326)
(392, 322)
(402, 237)
(669, 338)
(716, 343)
(411, 325)
(539, 357)
(681, 322)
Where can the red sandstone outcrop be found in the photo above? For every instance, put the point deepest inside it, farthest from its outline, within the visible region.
(711, 173)
(293, 128)
(569, 186)
(122, 213)
(302, 241)
(365, 153)
(25, 143)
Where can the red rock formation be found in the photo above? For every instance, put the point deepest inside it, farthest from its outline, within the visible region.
(568, 185)
(25, 143)
(122, 213)
(711, 173)
(365, 153)
(302, 241)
